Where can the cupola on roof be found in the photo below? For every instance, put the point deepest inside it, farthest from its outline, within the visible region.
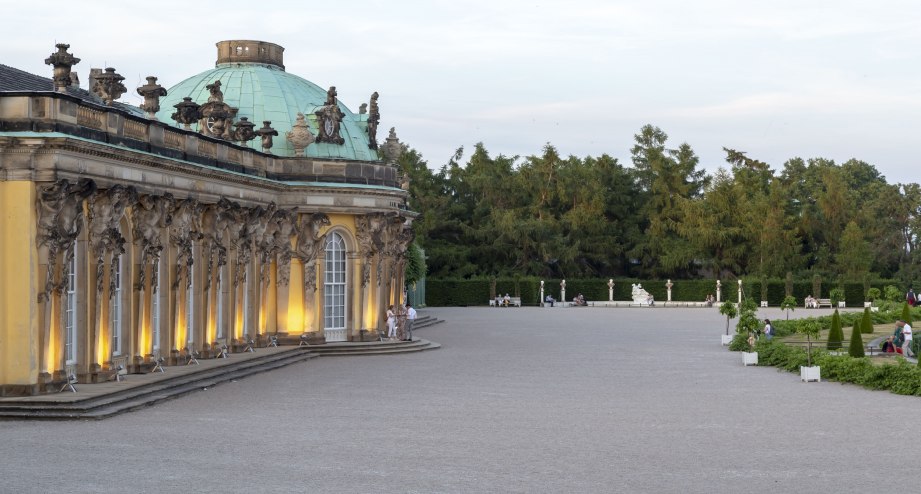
(253, 79)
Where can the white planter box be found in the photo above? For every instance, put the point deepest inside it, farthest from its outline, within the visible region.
(764, 303)
(810, 373)
(868, 304)
(727, 339)
(874, 309)
(749, 358)
(842, 304)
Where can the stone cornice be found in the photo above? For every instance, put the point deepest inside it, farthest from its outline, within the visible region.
(32, 113)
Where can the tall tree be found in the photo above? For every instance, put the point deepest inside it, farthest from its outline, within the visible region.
(667, 178)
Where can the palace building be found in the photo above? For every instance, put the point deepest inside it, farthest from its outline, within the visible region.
(241, 206)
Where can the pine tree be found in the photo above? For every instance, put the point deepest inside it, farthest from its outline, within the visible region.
(866, 324)
(856, 348)
(835, 334)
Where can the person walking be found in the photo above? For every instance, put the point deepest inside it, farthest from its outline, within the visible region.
(410, 320)
(906, 334)
(768, 329)
(910, 298)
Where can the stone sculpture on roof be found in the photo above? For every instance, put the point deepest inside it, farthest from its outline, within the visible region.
(300, 136)
(62, 62)
(151, 93)
(373, 119)
(329, 118)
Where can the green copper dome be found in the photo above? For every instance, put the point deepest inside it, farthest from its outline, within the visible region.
(255, 81)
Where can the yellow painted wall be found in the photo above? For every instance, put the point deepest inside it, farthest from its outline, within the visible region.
(19, 352)
(295, 323)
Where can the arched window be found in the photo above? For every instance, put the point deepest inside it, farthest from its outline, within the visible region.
(220, 305)
(155, 308)
(334, 283)
(246, 304)
(70, 311)
(115, 306)
(190, 308)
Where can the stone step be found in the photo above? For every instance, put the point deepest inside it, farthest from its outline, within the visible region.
(370, 348)
(76, 406)
(103, 400)
(426, 321)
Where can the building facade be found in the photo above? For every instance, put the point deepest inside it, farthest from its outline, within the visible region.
(131, 235)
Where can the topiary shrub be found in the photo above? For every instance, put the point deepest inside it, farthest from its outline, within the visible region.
(856, 347)
(788, 304)
(811, 328)
(906, 312)
(748, 324)
(835, 334)
(729, 310)
(866, 324)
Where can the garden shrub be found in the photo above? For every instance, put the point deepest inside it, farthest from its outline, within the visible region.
(856, 347)
(897, 376)
(866, 326)
(835, 334)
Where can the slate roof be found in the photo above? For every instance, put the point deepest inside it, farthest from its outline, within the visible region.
(13, 80)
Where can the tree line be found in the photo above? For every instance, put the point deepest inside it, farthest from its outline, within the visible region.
(661, 217)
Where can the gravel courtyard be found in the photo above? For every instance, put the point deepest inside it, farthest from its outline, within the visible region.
(517, 400)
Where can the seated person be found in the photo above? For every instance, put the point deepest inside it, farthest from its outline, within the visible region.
(888, 346)
(550, 300)
(650, 300)
(506, 300)
(579, 300)
(710, 299)
(811, 303)
(498, 301)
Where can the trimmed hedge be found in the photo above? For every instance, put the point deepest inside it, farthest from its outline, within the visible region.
(899, 377)
(475, 291)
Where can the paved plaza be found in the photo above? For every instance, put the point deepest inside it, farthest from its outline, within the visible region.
(631, 400)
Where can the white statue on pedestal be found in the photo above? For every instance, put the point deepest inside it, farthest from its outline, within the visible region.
(641, 296)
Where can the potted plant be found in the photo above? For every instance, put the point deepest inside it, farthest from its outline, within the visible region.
(728, 309)
(788, 304)
(749, 324)
(837, 297)
(811, 328)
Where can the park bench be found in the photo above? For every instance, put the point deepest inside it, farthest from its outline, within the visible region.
(823, 302)
(513, 301)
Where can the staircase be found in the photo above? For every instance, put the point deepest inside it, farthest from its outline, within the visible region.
(373, 347)
(103, 400)
(426, 321)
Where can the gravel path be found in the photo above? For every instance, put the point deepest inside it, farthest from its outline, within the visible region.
(516, 400)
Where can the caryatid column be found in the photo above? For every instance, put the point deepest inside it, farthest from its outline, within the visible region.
(669, 286)
(719, 293)
(541, 293)
(563, 292)
(740, 292)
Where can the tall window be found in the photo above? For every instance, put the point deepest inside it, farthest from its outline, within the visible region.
(190, 309)
(334, 283)
(155, 309)
(246, 304)
(115, 308)
(220, 305)
(70, 312)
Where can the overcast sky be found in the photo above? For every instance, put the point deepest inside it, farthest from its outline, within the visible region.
(780, 79)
